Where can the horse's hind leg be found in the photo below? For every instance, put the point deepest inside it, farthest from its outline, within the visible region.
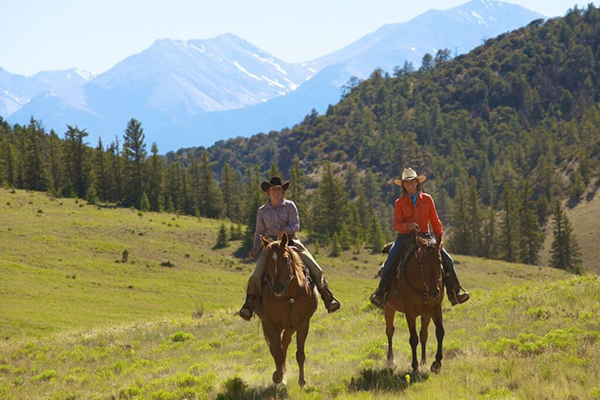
(389, 331)
(439, 333)
(425, 319)
(411, 320)
(285, 342)
(300, 355)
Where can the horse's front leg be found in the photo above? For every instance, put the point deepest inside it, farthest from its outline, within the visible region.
(273, 335)
(389, 331)
(411, 320)
(300, 354)
(425, 319)
(439, 333)
(285, 342)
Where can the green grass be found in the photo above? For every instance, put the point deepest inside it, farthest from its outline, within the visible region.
(71, 326)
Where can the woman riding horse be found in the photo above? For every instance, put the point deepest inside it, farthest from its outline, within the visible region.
(415, 210)
(277, 216)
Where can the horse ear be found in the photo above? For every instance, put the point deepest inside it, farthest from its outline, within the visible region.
(264, 241)
(285, 239)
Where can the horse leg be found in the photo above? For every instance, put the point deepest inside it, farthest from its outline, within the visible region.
(389, 331)
(439, 334)
(425, 319)
(300, 354)
(411, 320)
(285, 342)
(274, 339)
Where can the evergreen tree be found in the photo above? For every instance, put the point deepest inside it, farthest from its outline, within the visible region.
(114, 153)
(54, 157)
(9, 163)
(34, 168)
(297, 194)
(134, 156)
(274, 171)
(460, 241)
(230, 192)
(377, 237)
(210, 195)
(170, 205)
(565, 253)
(155, 180)
(223, 237)
(144, 203)
(77, 167)
(103, 187)
(254, 198)
(509, 228)
(532, 236)
(91, 197)
(473, 220)
(490, 250)
(345, 239)
(336, 250)
(329, 205)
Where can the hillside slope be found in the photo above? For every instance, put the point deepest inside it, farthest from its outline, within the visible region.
(77, 324)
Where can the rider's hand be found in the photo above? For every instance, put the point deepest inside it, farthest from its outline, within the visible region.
(252, 254)
(410, 226)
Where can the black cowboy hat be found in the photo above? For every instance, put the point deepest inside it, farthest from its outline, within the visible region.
(275, 181)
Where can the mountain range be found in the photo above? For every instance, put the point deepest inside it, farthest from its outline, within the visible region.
(196, 92)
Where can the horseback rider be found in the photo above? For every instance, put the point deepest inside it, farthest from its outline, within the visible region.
(280, 215)
(413, 212)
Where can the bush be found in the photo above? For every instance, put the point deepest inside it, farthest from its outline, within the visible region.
(181, 336)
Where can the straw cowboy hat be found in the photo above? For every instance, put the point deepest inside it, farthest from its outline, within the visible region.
(275, 181)
(409, 174)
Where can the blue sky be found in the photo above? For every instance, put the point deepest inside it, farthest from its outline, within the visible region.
(40, 35)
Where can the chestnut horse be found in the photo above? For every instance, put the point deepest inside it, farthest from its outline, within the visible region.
(288, 303)
(418, 289)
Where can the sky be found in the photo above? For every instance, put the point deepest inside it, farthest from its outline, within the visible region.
(41, 35)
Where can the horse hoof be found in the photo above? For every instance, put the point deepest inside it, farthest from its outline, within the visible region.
(436, 366)
(301, 382)
(424, 363)
(277, 378)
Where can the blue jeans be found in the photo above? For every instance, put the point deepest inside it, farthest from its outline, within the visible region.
(396, 251)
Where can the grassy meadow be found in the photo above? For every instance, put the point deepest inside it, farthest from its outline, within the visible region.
(77, 321)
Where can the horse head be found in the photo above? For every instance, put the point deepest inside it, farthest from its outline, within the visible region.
(429, 253)
(283, 264)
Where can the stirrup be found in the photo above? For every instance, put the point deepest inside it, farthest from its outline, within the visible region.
(457, 297)
(379, 297)
(247, 309)
(331, 303)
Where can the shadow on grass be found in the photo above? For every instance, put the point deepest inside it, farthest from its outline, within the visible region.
(236, 389)
(385, 380)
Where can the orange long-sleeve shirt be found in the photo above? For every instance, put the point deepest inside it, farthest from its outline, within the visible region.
(423, 214)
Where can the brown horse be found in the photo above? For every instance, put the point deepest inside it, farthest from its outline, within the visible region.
(418, 290)
(288, 303)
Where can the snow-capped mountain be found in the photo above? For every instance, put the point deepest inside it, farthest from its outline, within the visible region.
(196, 92)
(170, 82)
(17, 90)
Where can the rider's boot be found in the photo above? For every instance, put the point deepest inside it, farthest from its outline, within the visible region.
(456, 293)
(248, 308)
(331, 303)
(379, 297)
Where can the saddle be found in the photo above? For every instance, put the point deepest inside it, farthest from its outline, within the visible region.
(407, 252)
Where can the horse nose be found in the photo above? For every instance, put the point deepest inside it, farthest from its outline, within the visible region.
(278, 288)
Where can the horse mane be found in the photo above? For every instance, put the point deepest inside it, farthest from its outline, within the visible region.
(297, 264)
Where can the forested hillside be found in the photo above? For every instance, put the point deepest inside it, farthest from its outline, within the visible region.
(503, 133)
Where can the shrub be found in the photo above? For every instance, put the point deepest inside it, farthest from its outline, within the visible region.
(181, 337)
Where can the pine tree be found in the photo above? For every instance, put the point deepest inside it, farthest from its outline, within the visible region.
(473, 220)
(134, 156)
(230, 192)
(54, 157)
(345, 239)
(144, 203)
(532, 236)
(210, 195)
(170, 206)
(34, 168)
(565, 253)
(9, 163)
(329, 205)
(223, 237)
(336, 250)
(102, 173)
(76, 162)
(114, 152)
(377, 237)
(460, 241)
(155, 180)
(297, 185)
(91, 197)
(274, 171)
(509, 228)
(490, 232)
(254, 198)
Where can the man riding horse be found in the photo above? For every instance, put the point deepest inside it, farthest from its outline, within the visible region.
(413, 212)
(277, 216)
